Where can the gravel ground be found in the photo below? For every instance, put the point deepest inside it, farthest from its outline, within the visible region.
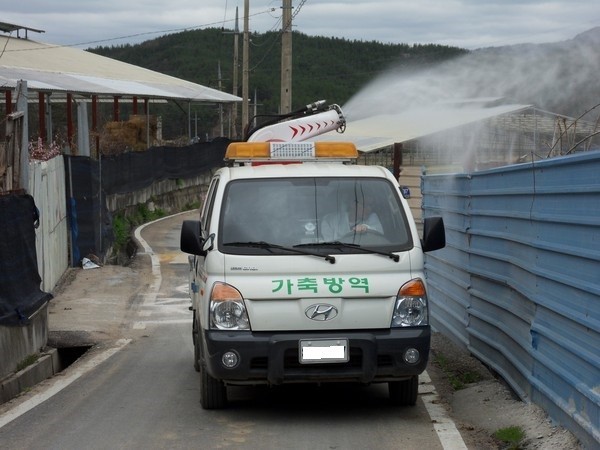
(482, 407)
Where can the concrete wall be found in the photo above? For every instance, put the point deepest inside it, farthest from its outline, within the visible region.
(19, 342)
(168, 195)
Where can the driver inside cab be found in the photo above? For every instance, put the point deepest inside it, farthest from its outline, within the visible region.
(354, 217)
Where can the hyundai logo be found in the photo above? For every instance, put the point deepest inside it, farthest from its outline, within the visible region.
(321, 312)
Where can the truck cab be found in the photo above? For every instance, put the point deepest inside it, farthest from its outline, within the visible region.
(307, 268)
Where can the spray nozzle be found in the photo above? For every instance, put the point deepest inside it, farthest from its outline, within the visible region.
(315, 105)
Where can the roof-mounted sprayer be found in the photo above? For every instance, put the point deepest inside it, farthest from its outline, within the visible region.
(301, 125)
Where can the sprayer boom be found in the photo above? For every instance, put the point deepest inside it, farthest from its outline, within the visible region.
(301, 125)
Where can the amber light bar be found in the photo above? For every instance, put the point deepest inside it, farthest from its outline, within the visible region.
(290, 151)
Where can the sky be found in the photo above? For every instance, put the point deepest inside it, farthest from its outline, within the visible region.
(469, 24)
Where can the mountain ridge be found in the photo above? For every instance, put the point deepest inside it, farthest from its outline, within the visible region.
(559, 77)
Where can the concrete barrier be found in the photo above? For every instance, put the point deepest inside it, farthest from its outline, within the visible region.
(19, 343)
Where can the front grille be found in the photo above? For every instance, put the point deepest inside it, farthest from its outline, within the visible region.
(259, 363)
(291, 361)
(385, 361)
(282, 364)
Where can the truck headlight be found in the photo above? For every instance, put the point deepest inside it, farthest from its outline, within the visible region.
(410, 309)
(227, 308)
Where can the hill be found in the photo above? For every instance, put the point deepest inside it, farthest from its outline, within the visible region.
(559, 77)
(323, 68)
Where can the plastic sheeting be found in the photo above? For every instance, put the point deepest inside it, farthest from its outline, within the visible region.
(20, 293)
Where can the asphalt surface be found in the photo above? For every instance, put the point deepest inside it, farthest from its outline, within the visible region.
(103, 308)
(100, 307)
(96, 306)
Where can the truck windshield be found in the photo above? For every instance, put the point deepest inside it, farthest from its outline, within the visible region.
(312, 213)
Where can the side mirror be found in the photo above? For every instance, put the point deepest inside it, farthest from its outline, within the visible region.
(190, 241)
(434, 235)
(208, 243)
(405, 192)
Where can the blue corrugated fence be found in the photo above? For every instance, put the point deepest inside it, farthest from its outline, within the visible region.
(518, 283)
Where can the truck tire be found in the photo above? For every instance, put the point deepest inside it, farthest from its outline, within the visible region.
(196, 344)
(213, 393)
(404, 393)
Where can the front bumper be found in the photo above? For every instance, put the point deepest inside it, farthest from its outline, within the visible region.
(272, 358)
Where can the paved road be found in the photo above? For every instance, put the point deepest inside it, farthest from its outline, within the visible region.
(146, 394)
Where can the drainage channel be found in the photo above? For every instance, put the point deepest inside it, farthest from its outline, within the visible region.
(40, 367)
(68, 355)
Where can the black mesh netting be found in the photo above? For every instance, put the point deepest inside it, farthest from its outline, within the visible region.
(20, 293)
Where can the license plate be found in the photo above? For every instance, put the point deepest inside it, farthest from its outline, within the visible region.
(314, 351)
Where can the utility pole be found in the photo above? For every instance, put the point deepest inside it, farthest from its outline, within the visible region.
(286, 57)
(220, 104)
(236, 63)
(245, 66)
(255, 105)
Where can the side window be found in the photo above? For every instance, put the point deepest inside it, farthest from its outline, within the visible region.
(209, 204)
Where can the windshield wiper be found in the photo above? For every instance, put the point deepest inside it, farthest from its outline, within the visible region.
(268, 246)
(390, 255)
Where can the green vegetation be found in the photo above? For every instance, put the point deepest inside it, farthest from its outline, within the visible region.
(512, 436)
(323, 68)
(27, 361)
(191, 205)
(121, 230)
(458, 379)
(144, 215)
(123, 224)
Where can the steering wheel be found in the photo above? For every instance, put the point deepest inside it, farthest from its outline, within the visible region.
(369, 236)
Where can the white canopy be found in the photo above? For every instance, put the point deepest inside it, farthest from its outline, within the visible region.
(53, 68)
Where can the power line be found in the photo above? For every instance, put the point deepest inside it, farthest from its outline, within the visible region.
(276, 38)
(147, 33)
(225, 14)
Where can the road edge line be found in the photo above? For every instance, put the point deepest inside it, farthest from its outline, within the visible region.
(61, 382)
(444, 426)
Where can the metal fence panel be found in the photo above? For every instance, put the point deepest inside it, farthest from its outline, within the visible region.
(47, 186)
(518, 283)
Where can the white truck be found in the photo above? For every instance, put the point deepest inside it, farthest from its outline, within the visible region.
(307, 268)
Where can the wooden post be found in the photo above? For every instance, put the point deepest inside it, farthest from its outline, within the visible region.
(70, 128)
(95, 123)
(116, 109)
(42, 116)
(397, 159)
(8, 99)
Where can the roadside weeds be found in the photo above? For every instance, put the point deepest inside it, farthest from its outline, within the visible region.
(486, 411)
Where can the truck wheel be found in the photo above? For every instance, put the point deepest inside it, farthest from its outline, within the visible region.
(196, 345)
(213, 393)
(404, 393)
